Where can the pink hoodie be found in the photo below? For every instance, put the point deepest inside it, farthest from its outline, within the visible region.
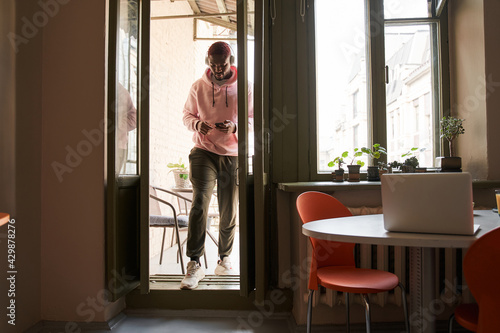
(207, 101)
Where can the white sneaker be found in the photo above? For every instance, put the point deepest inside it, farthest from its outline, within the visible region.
(194, 275)
(224, 267)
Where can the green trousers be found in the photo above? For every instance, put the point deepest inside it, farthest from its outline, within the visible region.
(205, 170)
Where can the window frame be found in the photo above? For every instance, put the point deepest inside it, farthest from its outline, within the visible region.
(377, 132)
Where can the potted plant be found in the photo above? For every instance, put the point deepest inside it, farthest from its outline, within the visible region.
(353, 169)
(339, 173)
(375, 153)
(181, 174)
(450, 128)
(383, 168)
(410, 164)
(395, 165)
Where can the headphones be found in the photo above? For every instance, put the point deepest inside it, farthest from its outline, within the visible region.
(231, 57)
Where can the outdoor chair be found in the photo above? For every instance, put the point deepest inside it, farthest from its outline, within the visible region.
(178, 220)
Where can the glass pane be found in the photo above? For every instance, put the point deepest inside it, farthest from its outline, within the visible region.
(396, 9)
(126, 88)
(341, 73)
(409, 94)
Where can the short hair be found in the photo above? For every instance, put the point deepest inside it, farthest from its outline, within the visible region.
(220, 48)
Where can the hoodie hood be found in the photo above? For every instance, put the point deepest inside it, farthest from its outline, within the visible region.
(207, 77)
(216, 87)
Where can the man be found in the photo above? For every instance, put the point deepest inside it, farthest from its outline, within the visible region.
(211, 112)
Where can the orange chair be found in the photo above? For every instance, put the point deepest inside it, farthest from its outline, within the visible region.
(466, 315)
(482, 276)
(333, 264)
(4, 218)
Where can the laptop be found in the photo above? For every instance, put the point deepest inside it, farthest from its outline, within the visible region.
(439, 203)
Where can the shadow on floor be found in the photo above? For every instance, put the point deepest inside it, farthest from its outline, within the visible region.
(204, 321)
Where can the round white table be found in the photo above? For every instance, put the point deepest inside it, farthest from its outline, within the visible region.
(369, 229)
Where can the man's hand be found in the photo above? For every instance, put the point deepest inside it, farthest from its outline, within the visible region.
(226, 127)
(203, 127)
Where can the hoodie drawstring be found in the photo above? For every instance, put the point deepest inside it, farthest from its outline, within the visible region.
(213, 96)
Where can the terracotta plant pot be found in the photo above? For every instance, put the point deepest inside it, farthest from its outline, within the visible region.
(338, 175)
(353, 172)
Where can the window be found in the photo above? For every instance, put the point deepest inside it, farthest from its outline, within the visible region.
(348, 103)
(408, 54)
(341, 78)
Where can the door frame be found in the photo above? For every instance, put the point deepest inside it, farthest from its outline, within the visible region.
(125, 195)
(254, 234)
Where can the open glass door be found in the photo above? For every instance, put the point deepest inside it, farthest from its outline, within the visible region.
(252, 163)
(261, 140)
(126, 172)
(245, 176)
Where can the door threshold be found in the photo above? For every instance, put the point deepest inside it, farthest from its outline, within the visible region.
(210, 282)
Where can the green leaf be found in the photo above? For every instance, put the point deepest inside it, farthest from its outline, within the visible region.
(179, 165)
(331, 163)
(345, 154)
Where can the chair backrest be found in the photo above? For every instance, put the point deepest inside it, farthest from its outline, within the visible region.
(181, 203)
(482, 273)
(154, 205)
(314, 206)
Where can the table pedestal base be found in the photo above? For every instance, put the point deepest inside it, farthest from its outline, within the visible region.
(422, 290)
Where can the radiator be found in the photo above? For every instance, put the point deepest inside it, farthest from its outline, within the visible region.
(450, 288)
